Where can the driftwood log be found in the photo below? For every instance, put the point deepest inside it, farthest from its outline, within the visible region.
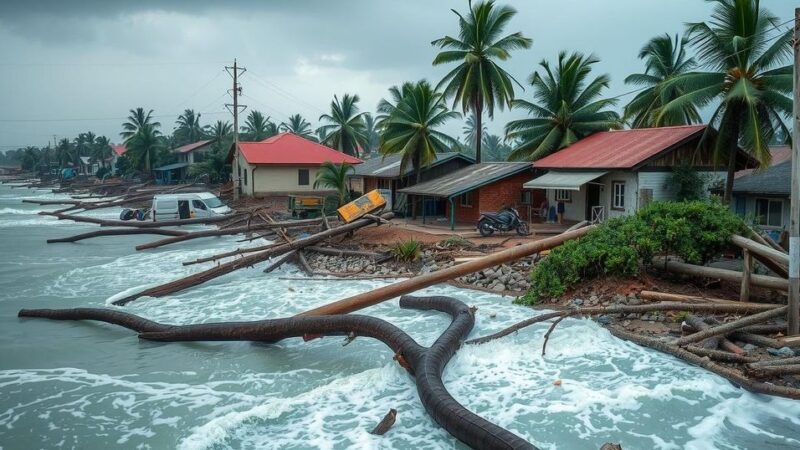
(137, 223)
(246, 261)
(382, 294)
(117, 232)
(780, 284)
(425, 365)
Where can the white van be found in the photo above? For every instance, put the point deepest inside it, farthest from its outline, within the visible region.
(187, 206)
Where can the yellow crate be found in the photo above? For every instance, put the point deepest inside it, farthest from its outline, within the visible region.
(370, 202)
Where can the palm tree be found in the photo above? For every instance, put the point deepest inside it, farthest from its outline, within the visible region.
(566, 108)
(746, 80)
(345, 130)
(222, 134)
(478, 82)
(143, 146)
(101, 150)
(494, 148)
(334, 176)
(64, 152)
(136, 120)
(470, 131)
(664, 59)
(410, 125)
(299, 126)
(258, 128)
(371, 131)
(188, 128)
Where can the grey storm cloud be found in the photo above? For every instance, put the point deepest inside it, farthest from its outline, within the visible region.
(72, 66)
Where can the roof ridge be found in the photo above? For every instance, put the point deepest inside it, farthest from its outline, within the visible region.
(671, 127)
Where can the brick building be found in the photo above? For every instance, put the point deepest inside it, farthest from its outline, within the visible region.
(462, 195)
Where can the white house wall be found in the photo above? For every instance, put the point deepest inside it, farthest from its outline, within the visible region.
(659, 183)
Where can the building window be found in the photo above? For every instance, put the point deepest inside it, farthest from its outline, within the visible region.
(245, 177)
(239, 170)
(526, 197)
(302, 177)
(384, 183)
(466, 200)
(618, 192)
(769, 212)
(563, 195)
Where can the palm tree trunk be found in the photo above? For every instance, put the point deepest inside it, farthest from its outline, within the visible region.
(478, 107)
(733, 150)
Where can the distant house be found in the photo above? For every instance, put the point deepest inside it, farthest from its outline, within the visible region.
(87, 166)
(764, 196)
(195, 152)
(460, 196)
(116, 152)
(281, 165)
(614, 173)
(383, 172)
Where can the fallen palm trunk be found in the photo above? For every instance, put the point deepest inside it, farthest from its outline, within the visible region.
(136, 223)
(722, 274)
(201, 234)
(718, 355)
(731, 326)
(279, 261)
(777, 362)
(732, 375)
(774, 260)
(329, 251)
(117, 232)
(663, 296)
(237, 252)
(426, 365)
(382, 294)
(700, 325)
(623, 309)
(246, 261)
(774, 371)
(765, 329)
(229, 231)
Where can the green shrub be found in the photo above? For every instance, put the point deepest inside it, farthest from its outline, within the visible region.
(406, 251)
(695, 231)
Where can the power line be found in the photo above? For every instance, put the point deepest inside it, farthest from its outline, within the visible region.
(283, 92)
(96, 119)
(111, 64)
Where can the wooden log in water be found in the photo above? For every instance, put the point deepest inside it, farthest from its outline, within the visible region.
(245, 261)
(382, 294)
(117, 232)
(137, 223)
(700, 325)
(731, 327)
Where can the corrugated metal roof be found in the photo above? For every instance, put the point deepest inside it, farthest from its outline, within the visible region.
(288, 148)
(563, 180)
(775, 180)
(389, 166)
(193, 146)
(119, 149)
(779, 154)
(467, 179)
(619, 149)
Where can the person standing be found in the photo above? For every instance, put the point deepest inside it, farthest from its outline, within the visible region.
(560, 211)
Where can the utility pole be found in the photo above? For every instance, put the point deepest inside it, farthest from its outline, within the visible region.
(793, 321)
(234, 72)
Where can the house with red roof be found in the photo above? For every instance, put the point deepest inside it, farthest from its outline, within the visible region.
(616, 172)
(281, 165)
(116, 152)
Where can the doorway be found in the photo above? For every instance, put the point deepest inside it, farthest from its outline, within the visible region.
(183, 209)
(592, 198)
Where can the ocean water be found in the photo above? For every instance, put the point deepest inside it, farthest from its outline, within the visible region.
(94, 386)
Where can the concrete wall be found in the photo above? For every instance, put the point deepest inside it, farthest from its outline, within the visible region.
(271, 179)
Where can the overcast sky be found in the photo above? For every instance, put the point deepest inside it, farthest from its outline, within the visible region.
(72, 66)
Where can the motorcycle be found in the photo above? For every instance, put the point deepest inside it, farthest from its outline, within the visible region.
(506, 219)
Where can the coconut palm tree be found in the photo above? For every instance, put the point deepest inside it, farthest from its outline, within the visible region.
(257, 127)
(478, 83)
(334, 176)
(470, 131)
(567, 108)
(299, 126)
(136, 120)
(747, 80)
(188, 129)
(664, 58)
(411, 122)
(143, 146)
(64, 151)
(371, 131)
(345, 130)
(101, 150)
(494, 149)
(222, 134)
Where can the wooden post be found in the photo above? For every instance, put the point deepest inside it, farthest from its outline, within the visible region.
(747, 270)
(793, 318)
